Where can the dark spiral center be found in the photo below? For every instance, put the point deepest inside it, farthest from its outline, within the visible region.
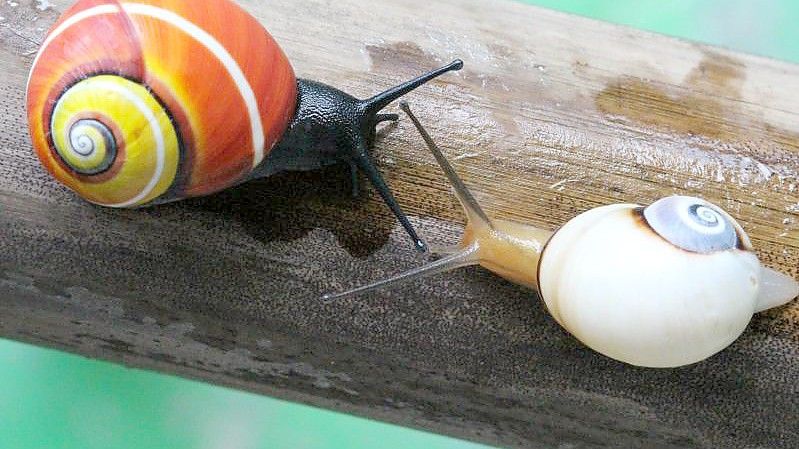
(88, 137)
(705, 216)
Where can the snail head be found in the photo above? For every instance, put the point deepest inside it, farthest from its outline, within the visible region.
(332, 127)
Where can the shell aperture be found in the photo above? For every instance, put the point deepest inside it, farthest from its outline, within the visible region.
(695, 225)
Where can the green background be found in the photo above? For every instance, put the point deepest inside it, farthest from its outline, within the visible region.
(54, 400)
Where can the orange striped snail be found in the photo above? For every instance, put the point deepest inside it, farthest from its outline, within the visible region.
(659, 286)
(134, 103)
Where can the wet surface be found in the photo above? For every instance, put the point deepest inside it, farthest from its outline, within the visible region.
(226, 288)
(23, 24)
(700, 106)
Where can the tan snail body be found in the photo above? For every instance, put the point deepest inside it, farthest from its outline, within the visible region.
(508, 249)
(665, 285)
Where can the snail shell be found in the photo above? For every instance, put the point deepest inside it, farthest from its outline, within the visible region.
(157, 100)
(662, 286)
(666, 285)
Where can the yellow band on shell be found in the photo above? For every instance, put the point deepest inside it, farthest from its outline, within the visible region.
(111, 123)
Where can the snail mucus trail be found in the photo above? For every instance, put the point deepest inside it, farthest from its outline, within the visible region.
(659, 286)
(136, 103)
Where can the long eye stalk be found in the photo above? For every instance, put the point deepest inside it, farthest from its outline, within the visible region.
(363, 162)
(468, 201)
(469, 255)
(381, 100)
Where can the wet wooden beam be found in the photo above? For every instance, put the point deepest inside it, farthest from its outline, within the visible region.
(552, 115)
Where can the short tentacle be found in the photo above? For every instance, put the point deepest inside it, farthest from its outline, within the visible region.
(371, 128)
(380, 118)
(354, 179)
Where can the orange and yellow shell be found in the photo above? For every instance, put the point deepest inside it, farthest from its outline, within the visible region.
(131, 103)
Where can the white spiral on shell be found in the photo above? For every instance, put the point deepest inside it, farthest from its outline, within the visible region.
(81, 143)
(160, 146)
(84, 140)
(72, 20)
(707, 214)
(703, 219)
(692, 224)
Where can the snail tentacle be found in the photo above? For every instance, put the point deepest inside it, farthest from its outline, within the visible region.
(443, 250)
(380, 118)
(372, 105)
(355, 182)
(473, 210)
(364, 162)
(465, 257)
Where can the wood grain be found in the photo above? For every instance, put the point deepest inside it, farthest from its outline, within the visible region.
(553, 115)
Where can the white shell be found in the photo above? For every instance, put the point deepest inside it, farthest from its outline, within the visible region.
(626, 292)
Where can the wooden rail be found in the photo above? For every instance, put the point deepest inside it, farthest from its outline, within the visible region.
(552, 115)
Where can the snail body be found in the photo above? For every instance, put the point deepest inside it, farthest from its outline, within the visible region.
(139, 103)
(664, 285)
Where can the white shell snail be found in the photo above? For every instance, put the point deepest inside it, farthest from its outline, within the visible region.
(659, 286)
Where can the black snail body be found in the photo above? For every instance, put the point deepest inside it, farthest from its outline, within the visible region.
(659, 286)
(333, 127)
(139, 103)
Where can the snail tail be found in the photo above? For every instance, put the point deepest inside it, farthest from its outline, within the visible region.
(776, 289)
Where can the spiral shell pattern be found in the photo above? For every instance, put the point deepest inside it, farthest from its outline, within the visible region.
(695, 225)
(651, 297)
(132, 103)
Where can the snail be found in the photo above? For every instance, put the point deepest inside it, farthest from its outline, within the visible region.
(140, 103)
(665, 285)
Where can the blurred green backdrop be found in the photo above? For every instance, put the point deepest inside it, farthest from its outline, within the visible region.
(54, 400)
(762, 27)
